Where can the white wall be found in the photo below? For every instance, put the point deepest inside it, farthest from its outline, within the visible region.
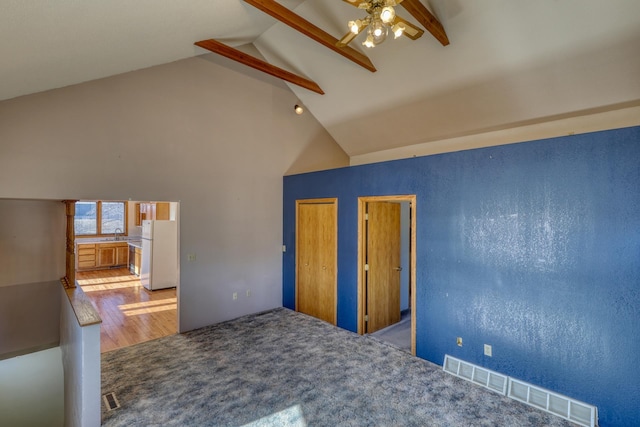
(81, 363)
(194, 131)
(31, 390)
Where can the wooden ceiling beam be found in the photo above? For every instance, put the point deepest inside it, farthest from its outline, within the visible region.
(300, 24)
(427, 19)
(253, 62)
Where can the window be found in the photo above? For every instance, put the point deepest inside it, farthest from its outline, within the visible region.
(100, 218)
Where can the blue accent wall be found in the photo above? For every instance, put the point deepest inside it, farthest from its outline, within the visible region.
(533, 248)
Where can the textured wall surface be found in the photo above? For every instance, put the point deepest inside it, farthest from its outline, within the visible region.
(195, 131)
(533, 248)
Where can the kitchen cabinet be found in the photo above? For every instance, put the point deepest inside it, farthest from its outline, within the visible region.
(138, 261)
(86, 256)
(122, 254)
(112, 254)
(138, 214)
(106, 256)
(152, 211)
(135, 258)
(102, 255)
(162, 211)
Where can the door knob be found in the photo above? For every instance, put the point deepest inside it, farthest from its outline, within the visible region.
(398, 269)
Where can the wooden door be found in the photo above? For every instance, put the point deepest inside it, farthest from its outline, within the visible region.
(383, 260)
(317, 258)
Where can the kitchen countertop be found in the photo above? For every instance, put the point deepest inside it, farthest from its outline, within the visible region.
(133, 241)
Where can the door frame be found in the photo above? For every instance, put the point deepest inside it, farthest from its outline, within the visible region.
(362, 204)
(334, 202)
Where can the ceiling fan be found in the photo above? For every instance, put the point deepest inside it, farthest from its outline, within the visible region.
(381, 17)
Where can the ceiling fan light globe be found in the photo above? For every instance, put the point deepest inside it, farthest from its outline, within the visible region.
(387, 14)
(369, 43)
(382, 37)
(398, 30)
(378, 29)
(379, 32)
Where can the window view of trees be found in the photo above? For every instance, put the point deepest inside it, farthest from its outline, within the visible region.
(97, 218)
(86, 219)
(113, 214)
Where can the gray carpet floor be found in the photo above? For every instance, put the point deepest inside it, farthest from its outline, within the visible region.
(398, 334)
(283, 368)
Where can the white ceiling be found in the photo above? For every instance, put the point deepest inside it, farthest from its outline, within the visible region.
(510, 62)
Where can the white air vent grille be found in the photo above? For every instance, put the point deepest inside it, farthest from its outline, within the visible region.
(481, 376)
(556, 404)
(548, 401)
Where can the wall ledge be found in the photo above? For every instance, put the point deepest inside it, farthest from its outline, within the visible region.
(29, 350)
(82, 307)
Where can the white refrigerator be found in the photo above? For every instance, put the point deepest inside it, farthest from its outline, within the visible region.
(159, 269)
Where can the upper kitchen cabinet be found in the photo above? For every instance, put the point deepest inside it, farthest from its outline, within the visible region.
(152, 211)
(162, 211)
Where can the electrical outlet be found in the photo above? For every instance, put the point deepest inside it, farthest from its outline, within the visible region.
(487, 350)
(235, 295)
(459, 341)
(248, 292)
(191, 257)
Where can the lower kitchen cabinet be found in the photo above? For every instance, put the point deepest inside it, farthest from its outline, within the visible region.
(106, 256)
(138, 261)
(122, 254)
(102, 255)
(86, 256)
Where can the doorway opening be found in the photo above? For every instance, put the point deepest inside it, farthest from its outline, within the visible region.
(132, 277)
(387, 269)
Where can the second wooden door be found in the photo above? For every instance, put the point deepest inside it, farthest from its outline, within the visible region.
(383, 261)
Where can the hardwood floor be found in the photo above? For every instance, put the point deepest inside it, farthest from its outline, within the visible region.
(130, 313)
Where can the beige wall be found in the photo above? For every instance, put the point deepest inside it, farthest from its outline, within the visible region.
(32, 239)
(194, 131)
(31, 265)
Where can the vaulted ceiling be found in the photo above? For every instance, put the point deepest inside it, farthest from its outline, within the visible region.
(509, 62)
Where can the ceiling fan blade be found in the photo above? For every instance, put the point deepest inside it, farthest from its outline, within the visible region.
(410, 30)
(347, 39)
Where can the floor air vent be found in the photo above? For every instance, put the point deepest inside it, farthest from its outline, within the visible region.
(548, 401)
(481, 376)
(556, 404)
(110, 401)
